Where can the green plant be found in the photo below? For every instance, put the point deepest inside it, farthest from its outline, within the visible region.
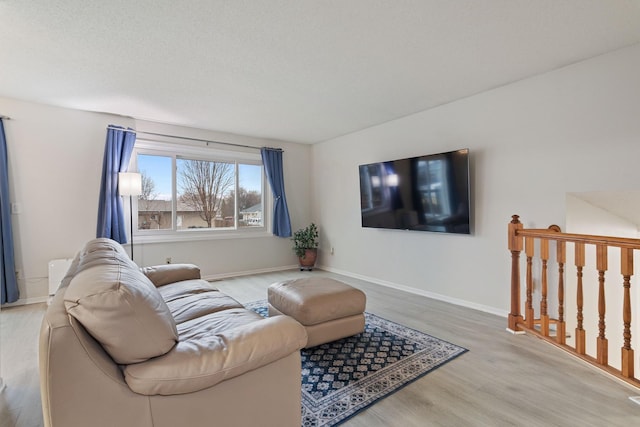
(305, 238)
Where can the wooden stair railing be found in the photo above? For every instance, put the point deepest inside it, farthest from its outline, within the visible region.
(520, 239)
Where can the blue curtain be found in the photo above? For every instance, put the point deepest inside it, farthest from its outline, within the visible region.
(272, 160)
(117, 153)
(8, 282)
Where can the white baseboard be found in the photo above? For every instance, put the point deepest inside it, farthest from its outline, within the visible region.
(25, 301)
(212, 277)
(221, 276)
(432, 295)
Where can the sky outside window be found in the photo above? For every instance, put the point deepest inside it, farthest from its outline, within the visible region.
(158, 168)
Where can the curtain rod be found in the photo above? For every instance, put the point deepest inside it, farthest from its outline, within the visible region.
(207, 141)
(5, 117)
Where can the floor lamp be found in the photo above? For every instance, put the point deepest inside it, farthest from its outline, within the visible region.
(130, 184)
(1, 380)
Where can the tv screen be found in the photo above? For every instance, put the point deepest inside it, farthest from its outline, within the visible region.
(425, 193)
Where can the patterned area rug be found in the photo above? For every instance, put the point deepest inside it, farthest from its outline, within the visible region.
(342, 378)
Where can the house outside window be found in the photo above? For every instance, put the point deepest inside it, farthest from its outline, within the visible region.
(252, 215)
(197, 192)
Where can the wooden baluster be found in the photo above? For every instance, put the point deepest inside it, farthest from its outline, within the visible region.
(515, 246)
(626, 268)
(580, 334)
(602, 342)
(529, 250)
(544, 316)
(562, 326)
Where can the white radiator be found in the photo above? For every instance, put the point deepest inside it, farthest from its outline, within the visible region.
(57, 270)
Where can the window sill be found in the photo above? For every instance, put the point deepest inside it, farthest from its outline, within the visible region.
(189, 236)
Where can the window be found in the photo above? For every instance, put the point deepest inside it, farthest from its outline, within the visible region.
(432, 184)
(201, 191)
(375, 184)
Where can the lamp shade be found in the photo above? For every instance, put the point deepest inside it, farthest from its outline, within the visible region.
(129, 183)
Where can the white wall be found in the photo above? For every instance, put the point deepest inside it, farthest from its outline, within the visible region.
(585, 218)
(531, 142)
(575, 129)
(55, 161)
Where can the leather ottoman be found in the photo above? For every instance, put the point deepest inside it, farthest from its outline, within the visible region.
(327, 308)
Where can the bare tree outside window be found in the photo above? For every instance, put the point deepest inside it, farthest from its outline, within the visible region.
(149, 214)
(148, 191)
(206, 193)
(204, 185)
(246, 199)
(155, 201)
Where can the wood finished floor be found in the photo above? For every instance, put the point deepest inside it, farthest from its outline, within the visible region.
(504, 380)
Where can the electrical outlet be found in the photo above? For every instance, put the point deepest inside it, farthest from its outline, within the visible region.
(168, 260)
(332, 250)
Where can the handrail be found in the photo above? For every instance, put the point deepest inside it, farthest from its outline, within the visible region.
(618, 242)
(521, 239)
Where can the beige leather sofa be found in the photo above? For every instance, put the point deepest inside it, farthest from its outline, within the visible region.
(124, 346)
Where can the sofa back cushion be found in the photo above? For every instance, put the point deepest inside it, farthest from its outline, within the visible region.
(120, 307)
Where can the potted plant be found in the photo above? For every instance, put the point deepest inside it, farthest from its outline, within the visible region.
(305, 245)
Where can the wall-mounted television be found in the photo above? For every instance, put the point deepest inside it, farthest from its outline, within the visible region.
(425, 193)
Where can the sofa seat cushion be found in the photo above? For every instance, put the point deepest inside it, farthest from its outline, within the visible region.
(190, 299)
(214, 348)
(120, 307)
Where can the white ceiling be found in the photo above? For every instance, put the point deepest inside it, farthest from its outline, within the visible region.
(294, 70)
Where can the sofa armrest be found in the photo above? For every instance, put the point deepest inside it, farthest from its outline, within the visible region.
(210, 358)
(164, 274)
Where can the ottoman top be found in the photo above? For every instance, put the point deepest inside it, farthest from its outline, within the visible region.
(316, 300)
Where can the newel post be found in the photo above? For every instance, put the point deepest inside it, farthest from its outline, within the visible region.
(515, 246)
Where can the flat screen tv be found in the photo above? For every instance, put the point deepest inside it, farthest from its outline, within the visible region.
(425, 193)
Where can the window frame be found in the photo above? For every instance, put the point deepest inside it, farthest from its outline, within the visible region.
(176, 151)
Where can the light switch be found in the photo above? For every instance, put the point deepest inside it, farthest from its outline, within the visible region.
(16, 208)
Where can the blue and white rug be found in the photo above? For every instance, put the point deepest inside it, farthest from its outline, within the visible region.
(342, 378)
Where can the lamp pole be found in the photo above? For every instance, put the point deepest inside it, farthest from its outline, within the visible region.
(1, 380)
(131, 223)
